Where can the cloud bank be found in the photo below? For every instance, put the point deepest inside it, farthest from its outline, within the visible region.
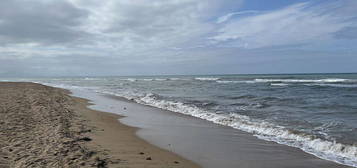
(124, 37)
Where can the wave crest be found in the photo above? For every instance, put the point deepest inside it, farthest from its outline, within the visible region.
(328, 80)
(341, 153)
(207, 79)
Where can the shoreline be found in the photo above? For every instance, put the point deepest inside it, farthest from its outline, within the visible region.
(152, 137)
(89, 138)
(120, 141)
(208, 144)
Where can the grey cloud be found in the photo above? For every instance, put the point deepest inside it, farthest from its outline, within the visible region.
(128, 37)
(158, 24)
(43, 22)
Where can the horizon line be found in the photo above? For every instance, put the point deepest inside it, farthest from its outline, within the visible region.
(229, 74)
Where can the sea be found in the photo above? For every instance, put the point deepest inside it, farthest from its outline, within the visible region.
(314, 112)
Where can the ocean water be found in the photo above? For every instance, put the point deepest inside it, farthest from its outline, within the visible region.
(314, 112)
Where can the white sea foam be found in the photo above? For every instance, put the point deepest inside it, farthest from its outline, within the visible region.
(179, 79)
(161, 79)
(284, 82)
(207, 79)
(65, 86)
(279, 84)
(147, 79)
(131, 79)
(334, 85)
(328, 80)
(90, 78)
(224, 81)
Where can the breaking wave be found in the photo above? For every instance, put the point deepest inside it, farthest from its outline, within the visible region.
(224, 81)
(207, 79)
(279, 84)
(149, 79)
(334, 85)
(308, 82)
(328, 80)
(90, 79)
(338, 152)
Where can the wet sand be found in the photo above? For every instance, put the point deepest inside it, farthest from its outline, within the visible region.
(42, 126)
(206, 143)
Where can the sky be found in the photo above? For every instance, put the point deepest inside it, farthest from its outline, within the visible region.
(177, 37)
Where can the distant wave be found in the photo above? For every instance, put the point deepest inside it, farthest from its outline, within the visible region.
(175, 79)
(65, 86)
(279, 84)
(328, 80)
(131, 79)
(207, 79)
(145, 79)
(161, 79)
(224, 81)
(90, 78)
(182, 79)
(150, 79)
(334, 85)
(284, 82)
(155, 79)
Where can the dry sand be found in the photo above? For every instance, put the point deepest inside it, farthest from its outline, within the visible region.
(41, 126)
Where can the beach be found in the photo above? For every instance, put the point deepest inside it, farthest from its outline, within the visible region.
(310, 115)
(42, 126)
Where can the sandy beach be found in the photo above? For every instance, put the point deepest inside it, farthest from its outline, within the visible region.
(42, 126)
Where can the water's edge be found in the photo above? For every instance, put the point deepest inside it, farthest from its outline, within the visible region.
(245, 142)
(318, 147)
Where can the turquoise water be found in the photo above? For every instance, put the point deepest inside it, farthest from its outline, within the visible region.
(314, 112)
